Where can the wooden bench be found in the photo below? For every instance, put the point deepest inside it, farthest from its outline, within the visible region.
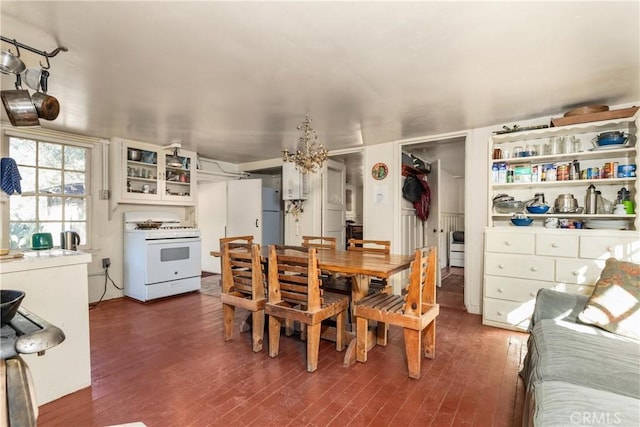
(416, 313)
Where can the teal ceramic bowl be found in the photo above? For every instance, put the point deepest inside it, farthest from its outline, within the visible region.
(521, 222)
(538, 209)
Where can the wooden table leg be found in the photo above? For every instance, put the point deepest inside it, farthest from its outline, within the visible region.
(350, 353)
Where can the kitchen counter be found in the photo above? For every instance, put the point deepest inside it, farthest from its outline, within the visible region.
(55, 282)
(44, 259)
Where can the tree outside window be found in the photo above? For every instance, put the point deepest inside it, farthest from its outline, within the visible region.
(54, 191)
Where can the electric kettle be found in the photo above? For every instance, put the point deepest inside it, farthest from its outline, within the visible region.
(69, 240)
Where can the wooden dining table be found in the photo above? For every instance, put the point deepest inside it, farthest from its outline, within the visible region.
(361, 266)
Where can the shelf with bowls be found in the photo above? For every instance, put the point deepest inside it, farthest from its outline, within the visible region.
(603, 154)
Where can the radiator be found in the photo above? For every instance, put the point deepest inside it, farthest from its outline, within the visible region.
(412, 230)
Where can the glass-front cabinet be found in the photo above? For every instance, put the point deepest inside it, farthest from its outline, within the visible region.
(145, 173)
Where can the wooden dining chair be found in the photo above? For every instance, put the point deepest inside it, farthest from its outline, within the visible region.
(416, 313)
(382, 247)
(324, 243)
(319, 242)
(295, 293)
(243, 287)
(234, 240)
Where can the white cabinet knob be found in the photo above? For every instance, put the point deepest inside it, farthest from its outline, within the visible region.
(554, 245)
(499, 313)
(609, 249)
(507, 243)
(500, 290)
(532, 294)
(575, 273)
(500, 266)
(534, 269)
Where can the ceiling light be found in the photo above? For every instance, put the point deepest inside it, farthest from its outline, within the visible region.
(311, 154)
(174, 160)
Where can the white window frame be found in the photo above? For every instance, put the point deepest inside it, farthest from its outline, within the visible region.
(4, 150)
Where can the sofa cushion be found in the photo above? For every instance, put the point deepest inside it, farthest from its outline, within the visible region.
(584, 355)
(557, 305)
(615, 302)
(555, 403)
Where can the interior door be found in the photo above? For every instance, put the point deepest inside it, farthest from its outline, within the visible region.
(435, 235)
(333, 203)
(244, 208)
(212, 217)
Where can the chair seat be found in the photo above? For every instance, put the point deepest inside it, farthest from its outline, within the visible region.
(333, 304)
(389, 308)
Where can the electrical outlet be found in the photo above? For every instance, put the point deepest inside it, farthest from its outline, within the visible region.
(106, 263)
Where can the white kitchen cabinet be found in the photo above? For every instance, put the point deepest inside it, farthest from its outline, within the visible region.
(521, 260)
(142, 173)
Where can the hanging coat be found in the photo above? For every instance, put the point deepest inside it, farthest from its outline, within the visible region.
(422, 205)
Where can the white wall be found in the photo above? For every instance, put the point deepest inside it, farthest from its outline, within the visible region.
(380, 220)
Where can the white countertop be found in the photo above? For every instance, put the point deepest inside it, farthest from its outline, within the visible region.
(48, 258)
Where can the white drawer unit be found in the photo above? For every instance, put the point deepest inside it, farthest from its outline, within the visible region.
(520, 262)
(579, 271)
(557, 245)
(523, 266)
(603, 247)
(507, 288)
(510, 242)
(508, 314)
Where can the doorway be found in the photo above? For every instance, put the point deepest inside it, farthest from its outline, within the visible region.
(446, 223)
(353, 198)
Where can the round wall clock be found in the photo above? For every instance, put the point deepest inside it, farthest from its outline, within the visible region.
(379, 171)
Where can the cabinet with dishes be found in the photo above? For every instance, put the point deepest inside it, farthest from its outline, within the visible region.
(561, 201)
(149, 174)
(566, 177)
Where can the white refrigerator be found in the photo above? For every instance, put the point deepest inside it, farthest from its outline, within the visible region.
(271, 217)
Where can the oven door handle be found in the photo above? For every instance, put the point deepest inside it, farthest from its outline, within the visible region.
(257, 226)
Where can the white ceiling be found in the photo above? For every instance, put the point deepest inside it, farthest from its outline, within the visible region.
(232, 80)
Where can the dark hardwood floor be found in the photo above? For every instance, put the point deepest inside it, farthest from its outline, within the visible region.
(166, 364)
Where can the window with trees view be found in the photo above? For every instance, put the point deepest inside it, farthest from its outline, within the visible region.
(54, 191)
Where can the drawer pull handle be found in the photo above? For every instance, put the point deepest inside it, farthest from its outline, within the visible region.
(500, 290)
(554, 245)
(507, 243)
(534, 269)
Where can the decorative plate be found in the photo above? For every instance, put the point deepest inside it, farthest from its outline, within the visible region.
(379, 171)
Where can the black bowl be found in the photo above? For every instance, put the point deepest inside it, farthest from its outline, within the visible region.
(10, 301)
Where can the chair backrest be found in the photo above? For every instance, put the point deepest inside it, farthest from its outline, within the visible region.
(422, 281)
(370, 246)
(319, 242)
(242, 270)
(293, 276)
(235, 240)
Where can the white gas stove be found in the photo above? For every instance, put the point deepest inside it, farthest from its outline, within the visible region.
(161, 256)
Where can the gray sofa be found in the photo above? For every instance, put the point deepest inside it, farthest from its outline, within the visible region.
(576, 374)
